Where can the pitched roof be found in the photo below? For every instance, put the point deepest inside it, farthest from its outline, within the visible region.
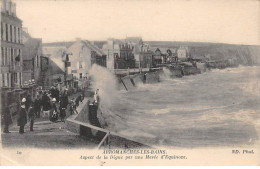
(54, 67)
(59, 44)
(31, 48)
(55, 54)
(25, 36)
(93, 47)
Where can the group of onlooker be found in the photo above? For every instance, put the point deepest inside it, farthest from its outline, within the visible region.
(45, 103)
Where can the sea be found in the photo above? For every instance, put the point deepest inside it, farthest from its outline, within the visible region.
(220, 107)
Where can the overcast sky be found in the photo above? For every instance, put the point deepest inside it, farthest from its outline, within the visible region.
(225, 21)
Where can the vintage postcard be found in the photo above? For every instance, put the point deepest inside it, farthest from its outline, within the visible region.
(128, 82)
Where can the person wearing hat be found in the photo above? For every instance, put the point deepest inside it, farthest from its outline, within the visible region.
(31, 115)
(22, 116)
(64, 99)
(96, 97)
(53, 111)
(45, 102)
(37, 106)
(28, 101)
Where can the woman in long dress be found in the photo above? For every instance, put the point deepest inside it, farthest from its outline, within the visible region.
(53, 111)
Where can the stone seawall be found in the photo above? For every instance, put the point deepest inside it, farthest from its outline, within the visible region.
(202, 67)
(152, 77)
(79, 123)
(129, 82)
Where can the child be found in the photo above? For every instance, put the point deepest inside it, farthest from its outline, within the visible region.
(72, 108)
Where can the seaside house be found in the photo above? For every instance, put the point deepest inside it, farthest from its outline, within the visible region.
(84, 55)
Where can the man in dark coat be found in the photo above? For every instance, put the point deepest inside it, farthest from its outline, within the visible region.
(78, 99)
(37, 106)
(7, 119)
(22, 117)
(28, 101)
(52, 92)
(46, 103)
(64, 100)
(31, 115)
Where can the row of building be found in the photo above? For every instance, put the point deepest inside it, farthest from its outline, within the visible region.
(26, 61)
(113, 54)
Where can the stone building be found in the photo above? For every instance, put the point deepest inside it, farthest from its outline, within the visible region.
(112, 49)
(57, 58)
(11, 57)
(11, 46)
(158, 58)
(119, 54)
(32, 53)
(183, 52)
(141, 51)
(125, 59)
(84, 55)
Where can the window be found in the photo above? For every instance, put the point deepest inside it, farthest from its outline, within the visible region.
(19, 35)
(12, 57)
(7, 84)
(6, 60)
(20, 78)
(11, 33)
(10, 8)
(2, 30)
(19, 54)
(15, 78)
(115, 55)
(3, 56)
(12, 54)
(6, 31)
(15, 34)
(36, 60)
(3, 79)
(80, 75)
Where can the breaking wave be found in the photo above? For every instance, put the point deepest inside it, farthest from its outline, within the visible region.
(216, 108)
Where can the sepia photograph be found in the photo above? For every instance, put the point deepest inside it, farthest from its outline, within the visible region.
(128, 82)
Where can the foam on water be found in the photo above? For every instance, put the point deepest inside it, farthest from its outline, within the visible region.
(216, 108)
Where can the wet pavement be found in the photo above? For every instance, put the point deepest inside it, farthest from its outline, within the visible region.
(46, 134)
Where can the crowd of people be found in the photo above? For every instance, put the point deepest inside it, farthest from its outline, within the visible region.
(51, 104)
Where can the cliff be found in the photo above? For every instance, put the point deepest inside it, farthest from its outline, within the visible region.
(245, 54)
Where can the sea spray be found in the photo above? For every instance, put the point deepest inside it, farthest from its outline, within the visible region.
(106, 82)
(166, 74)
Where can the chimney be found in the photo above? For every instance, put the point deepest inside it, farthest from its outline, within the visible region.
(14, 9)
(4, 5)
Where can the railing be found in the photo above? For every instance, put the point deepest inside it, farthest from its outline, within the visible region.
(103, 143)
(126, 71)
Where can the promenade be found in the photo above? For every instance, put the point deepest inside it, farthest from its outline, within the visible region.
(46, 134)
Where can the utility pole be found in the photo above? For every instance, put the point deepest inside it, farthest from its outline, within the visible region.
(65, 59)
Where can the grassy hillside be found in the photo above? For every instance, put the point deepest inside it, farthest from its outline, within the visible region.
(246, 54)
